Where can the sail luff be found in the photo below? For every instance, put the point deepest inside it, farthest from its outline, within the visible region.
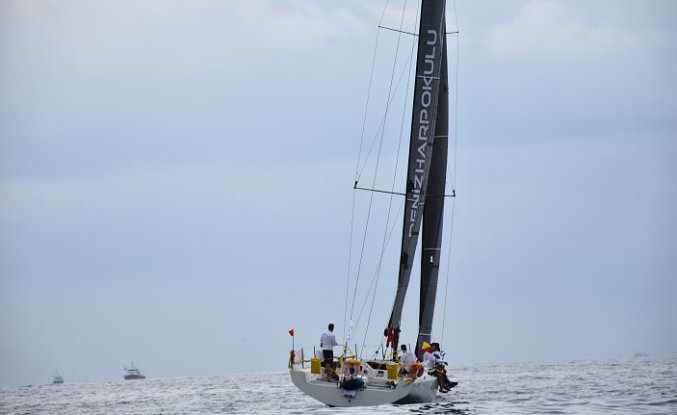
(431, 237)
(424, 114)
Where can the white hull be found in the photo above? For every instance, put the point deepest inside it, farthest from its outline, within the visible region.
(424, 390)
(375, 393)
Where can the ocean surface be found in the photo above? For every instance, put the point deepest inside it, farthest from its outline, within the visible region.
(632, 386)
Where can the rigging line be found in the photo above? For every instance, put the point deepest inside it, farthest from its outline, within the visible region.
(412, 52)
(381, 125)
(350, 261)
(376, 278)
(456, 95)
(359, 154)
(364, 237)
(396, 30)
(386, 234)
(405, 70)
(453, 203)
(446, 283)
(378, 272)
(359, 264)
(380, 146)
(404, 108)
(371, 81)
(380, 191)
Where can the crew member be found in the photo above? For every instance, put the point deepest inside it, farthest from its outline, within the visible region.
(327, 343)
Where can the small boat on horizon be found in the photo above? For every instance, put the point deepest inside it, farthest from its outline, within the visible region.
(132, 372)
(58, 380)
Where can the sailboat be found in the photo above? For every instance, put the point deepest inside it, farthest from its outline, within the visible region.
(382, 381)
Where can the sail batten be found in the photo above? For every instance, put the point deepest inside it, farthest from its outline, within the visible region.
(428, 79)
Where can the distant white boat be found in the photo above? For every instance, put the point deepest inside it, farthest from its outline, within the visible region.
(132, 372)
(58, 380)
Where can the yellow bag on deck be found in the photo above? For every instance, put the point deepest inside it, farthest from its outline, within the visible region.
(393, 369)
(315, 366)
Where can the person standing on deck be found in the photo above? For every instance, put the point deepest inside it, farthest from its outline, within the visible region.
(327, 343)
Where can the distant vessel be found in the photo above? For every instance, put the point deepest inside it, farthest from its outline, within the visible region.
(132, 372)
(58, 380)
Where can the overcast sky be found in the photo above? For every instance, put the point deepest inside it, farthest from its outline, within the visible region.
(176, 182)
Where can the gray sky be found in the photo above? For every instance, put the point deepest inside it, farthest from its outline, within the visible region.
(175, 182)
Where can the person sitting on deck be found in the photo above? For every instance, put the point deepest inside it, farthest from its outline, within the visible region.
(439, 370)
(428, 358)
(410, 364)
(406, 357)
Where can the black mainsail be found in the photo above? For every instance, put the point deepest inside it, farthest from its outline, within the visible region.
(433, 212)
(428, 87)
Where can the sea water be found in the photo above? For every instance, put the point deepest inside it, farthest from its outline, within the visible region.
(632, 386)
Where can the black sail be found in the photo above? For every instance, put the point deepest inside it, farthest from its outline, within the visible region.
(424, 116)
(431, 238)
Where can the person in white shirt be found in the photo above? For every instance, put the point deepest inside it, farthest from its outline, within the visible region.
(428, 357)
(439, 354)
(440, 370)
(327, 343)
(407, 356)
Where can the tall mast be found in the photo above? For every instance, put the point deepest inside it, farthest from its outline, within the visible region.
(424, 117)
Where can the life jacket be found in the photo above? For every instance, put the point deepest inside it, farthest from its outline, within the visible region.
(415, 369)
